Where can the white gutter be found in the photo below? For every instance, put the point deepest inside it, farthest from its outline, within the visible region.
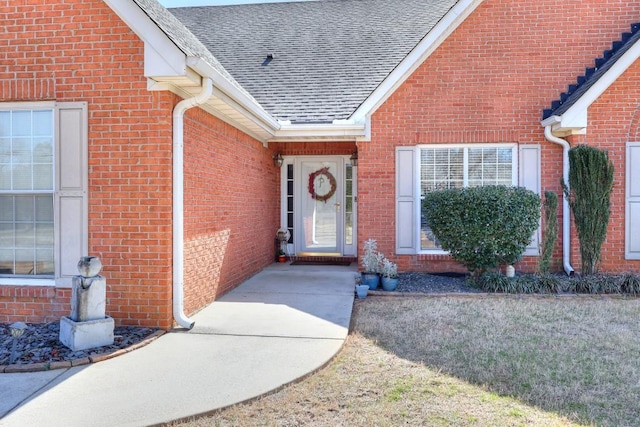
(233, 93)
(178, 200)
(566, 217)
(336, 131)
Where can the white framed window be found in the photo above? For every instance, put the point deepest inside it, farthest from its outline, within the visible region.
(43, 183)
(459, 166)
(26, 193)
(424, 168)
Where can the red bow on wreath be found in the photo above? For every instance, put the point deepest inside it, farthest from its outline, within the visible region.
(312, 184)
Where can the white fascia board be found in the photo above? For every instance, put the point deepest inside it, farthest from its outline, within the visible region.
(224, 86)
(576, 116)
(161, 56)
(563, 125)
(415, 58)
(320, 132)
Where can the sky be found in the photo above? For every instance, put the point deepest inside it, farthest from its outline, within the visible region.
(184, 3)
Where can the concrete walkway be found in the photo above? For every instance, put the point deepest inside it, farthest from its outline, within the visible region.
(280, 325)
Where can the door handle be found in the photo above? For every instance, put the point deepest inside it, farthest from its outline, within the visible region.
(337, 205)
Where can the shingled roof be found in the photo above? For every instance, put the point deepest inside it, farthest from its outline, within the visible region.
(593, 74)
(182, 37)
(316, 61)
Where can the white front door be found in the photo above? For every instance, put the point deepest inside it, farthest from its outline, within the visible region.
(319, 205)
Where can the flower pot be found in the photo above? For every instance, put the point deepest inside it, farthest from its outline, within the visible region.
(510, 271)
(282, 258)
(371, 279)
(362, 290)
(389, 283)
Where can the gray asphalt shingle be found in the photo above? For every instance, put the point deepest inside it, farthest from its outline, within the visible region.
(328, 55)
(184, 39)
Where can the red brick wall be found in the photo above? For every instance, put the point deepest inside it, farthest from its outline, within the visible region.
(33, 304)
(488, 82)
(73, 50)
(232, 208)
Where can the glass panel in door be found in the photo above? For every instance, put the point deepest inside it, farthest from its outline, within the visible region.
(321, 207)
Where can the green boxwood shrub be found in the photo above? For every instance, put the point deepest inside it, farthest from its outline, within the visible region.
(483, 227)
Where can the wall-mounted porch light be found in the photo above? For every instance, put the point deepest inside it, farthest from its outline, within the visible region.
(354, 158)
(278, 160)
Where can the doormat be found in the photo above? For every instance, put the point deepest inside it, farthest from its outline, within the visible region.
(326, 262)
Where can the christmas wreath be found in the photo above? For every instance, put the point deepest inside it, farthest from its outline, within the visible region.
(312, 184)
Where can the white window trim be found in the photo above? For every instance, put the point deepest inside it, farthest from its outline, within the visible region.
(628, 199)
(58, 280)
(13, 106)
(418, 207)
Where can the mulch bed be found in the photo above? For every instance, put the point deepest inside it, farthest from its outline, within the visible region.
(39, 348)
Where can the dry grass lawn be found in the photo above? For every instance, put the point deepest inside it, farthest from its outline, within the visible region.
(461, 361)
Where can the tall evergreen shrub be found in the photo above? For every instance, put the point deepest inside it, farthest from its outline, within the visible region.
(589, 195)
(550, 230)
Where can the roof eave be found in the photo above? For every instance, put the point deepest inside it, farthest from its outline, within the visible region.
(338, 131)
(449, 22)
(169, 68)
(229, 93)
(564, 125)
(574, 120)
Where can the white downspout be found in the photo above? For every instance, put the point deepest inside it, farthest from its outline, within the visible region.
(178, 200)
(566, 216)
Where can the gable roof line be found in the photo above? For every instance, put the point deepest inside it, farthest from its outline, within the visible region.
(571, 116)
(229, 89)
(176, 60)
(182, 55)
(440, 32)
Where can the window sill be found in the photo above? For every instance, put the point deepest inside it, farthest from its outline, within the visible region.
(7, 281)
(436, 252)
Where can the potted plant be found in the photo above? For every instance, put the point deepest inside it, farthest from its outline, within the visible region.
(389, 275)
(371, 260)
(282, 237)
(361, 288)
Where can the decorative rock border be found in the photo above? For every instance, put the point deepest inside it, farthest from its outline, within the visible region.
(47, 366)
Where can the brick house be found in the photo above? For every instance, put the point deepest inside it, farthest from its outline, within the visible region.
(147, 136)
